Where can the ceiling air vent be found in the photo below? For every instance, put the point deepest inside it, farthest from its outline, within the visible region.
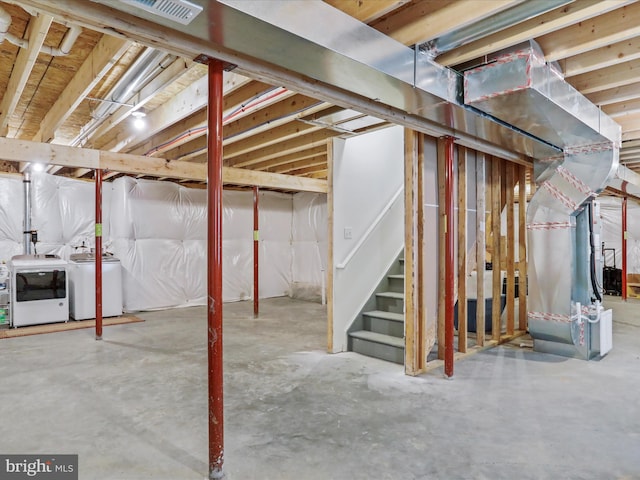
(180, 11)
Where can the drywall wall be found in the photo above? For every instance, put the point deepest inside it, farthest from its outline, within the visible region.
(368, 177)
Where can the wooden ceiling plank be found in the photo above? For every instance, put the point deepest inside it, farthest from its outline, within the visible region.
(631, 144)
(631, 135)
(422, 21)
(290, 167)
(601, 57)
(104, 55)
(25, 60)
(367, 11)
(622, 108)
(541, 25)
(606, 29)
(24, 151)
(611, 77)
(615, 95)
(290, 158)
(297, 144)
(270, 137)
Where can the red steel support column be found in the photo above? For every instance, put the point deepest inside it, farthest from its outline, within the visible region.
(256, 245)
(98, 253)
(449, 300)
(214, 269)
(624, 248)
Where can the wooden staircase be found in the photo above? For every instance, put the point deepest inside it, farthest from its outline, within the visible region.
(379, 330)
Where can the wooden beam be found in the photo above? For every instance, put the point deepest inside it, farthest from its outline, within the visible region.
(462, 249)
(24, 63)
(496, 200)
(330, 255)
(303, 142)
(510, 250)
(615, 95)
(481, 247)
(606, 29)
(522, 248)
(442, 218)
(611, 77)
(622, 109)
(104, 55)
(543, 24)
(415, 357)
(422, 21)
(26, 151)
(366, 11)
(290, 158)
(601, 57)
(320, 160)
(258, 142)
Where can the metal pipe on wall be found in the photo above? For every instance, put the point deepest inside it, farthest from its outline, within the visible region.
(214, 269)
(624, 248)
(98, 253)
(26, 183)
(256, 248)
(448, 259)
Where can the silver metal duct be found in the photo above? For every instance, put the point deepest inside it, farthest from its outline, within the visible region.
(521, 89)
(494, 23)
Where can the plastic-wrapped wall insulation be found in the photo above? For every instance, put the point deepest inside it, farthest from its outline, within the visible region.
(309, 237)
(611, 214)
(11, 216)
(158, 231)
(63, 214)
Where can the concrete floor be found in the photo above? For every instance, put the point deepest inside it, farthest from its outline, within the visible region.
(134, 405)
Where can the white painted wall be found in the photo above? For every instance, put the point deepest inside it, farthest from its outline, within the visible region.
(368, 171)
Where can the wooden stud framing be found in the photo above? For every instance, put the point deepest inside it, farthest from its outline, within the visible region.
(462, 249)
(481, 247)
(510, 250)
(496, 197)
(522, 247)
(441, 262)
(415, 314)
(330, 260)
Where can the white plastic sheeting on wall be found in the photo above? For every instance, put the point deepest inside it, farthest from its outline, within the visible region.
(309, 237)
(611, 213)
(158, 231)
(63, 213)
(11, 217)
(159, 235)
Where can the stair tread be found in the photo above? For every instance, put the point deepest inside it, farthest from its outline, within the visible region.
(397, 295)
(399, 277)
(398, 317)
(378, 338)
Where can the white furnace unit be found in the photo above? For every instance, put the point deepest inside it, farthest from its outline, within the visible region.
(82, 286)
(39, 292)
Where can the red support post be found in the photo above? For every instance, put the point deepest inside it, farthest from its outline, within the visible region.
(624, 248)
(214, 269)
(98, 253)
(256, 247)
(449, 299)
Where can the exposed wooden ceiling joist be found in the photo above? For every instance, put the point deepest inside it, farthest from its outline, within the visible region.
(367, 11)
(530, 29)
(611, 77)
(36, 34)
(103, 56)
(601, 57)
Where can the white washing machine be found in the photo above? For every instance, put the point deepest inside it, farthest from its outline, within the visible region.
(39, 292)
(82, 286)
